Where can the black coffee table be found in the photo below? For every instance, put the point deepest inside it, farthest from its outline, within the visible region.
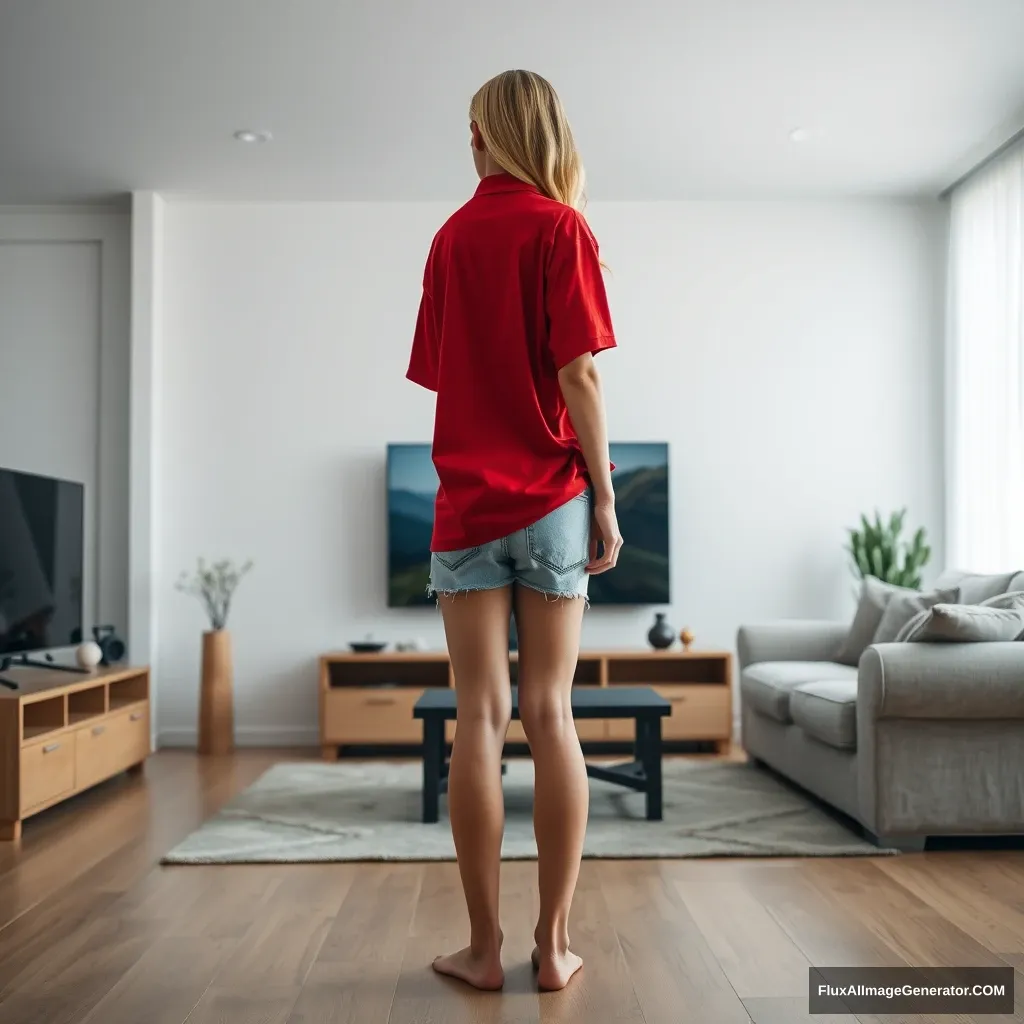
(641, 703)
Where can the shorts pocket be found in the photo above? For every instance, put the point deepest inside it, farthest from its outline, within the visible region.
(561, 540)
(455, 559)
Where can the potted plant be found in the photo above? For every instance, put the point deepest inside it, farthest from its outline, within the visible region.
(214, 585)
(878, 550)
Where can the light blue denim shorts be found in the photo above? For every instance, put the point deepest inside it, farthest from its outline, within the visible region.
(550, 556)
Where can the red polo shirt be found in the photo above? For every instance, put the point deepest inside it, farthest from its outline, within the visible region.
(512, 292)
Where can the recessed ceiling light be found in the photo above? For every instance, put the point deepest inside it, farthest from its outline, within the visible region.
(248, 135)
(799, 135)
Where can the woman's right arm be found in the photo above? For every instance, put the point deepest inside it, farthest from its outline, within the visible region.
(581, 388)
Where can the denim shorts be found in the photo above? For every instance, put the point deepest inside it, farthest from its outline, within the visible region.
(550, 556)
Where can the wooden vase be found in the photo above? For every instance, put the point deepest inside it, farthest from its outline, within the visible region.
(216, 695)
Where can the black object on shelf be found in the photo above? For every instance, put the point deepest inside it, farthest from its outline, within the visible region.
(367, 647)
(112, 647)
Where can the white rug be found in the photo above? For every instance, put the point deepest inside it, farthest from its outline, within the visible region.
(370, 811)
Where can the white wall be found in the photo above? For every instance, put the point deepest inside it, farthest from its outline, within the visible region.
(64, 375)
(790, 353)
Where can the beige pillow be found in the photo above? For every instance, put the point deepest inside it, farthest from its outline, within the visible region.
(964, 623)
(904, 607)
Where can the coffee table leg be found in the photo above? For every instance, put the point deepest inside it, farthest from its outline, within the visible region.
(648, 732)
(433, 762)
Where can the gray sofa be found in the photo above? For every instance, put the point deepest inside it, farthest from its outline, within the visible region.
(917, 740)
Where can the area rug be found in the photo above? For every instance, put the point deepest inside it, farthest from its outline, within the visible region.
(308, 811)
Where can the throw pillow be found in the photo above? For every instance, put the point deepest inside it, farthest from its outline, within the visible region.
(874, 596)
(1012, 601)
(975, 588)
(904, 607)
(964, 623)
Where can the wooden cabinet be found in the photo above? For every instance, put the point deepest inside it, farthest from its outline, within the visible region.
(60, 734)
(367, 699)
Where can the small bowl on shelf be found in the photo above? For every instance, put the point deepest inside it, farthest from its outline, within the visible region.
(367, 647)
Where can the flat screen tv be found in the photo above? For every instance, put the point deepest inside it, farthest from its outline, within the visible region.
(641, 495)
(41, 561)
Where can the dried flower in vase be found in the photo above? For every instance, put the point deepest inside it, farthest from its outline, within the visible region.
(214, 585)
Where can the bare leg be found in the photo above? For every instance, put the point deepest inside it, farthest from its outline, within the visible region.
(476, 626)
(549, 642)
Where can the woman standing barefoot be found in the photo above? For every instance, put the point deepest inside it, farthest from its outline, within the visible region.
(513, 311)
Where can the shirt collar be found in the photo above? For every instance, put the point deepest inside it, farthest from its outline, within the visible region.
(503, 183)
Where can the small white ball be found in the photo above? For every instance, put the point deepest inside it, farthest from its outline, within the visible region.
(88, 655)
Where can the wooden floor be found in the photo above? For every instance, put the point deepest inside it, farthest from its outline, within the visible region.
(93, 929)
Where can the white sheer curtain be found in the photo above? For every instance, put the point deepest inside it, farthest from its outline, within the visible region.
(985, 370)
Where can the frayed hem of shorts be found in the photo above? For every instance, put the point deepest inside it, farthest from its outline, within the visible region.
(555, 595)
(442, 592)
(551, 595)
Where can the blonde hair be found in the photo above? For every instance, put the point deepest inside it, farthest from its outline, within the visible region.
(525, 130)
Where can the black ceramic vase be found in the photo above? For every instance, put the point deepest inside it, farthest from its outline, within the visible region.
(661, 634)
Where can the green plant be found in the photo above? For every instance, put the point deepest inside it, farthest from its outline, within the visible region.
(214, 585)
(878, 550)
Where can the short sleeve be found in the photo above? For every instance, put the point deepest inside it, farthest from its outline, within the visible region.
(425, 356)
(578, 317)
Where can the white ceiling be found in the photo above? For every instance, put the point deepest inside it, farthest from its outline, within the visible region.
(670, 99)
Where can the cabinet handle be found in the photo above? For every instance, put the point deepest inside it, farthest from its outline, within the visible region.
(135, 716)
(50, 748)
(676, 700)
(98, 730)
(379, 701)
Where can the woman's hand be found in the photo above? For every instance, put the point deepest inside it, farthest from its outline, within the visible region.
(604, 530)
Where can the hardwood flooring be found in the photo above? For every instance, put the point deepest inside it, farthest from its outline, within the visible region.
(93, 929)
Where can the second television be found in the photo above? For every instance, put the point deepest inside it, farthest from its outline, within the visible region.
(642, 503)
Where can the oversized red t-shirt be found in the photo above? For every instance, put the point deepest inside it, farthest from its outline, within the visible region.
(512, 292)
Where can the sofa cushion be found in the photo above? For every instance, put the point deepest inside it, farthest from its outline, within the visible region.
(965, 624)
(1017, 583)
(975, 587)
(766, 686)
(827, 710)
(874, 597)
(903, 607)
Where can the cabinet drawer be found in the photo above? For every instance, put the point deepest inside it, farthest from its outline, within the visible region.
(699, 712)
(372, 716)
(47, 771)
(110, 745)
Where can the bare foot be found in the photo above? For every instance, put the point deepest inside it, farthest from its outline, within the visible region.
(483, 972)
(555, 969)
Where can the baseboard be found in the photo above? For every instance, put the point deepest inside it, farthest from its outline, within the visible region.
(247, 736)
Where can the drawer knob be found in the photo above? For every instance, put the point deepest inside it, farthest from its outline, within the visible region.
(51, 747)
(99, 730)
(135, 716)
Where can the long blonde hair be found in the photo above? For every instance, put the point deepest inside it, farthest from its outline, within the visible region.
(525, 130)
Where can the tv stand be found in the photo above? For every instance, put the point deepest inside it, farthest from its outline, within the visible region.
(367, 700)
(24, 661)
(60, 736)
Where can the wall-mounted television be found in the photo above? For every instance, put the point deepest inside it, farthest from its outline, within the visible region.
(41, 562)
(642, 502)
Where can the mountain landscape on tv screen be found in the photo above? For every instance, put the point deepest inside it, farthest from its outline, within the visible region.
(642, 505)
(642, 573)
(410, 524)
